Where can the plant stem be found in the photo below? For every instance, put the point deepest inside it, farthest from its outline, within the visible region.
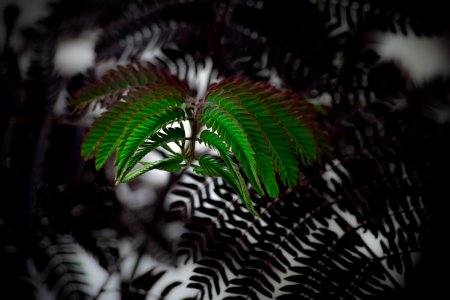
(183, 142)
(194, 130)
(190, 165)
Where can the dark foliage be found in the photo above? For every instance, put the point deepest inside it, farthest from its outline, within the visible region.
(370, 222)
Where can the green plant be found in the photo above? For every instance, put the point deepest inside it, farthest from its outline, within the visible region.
(259, 133)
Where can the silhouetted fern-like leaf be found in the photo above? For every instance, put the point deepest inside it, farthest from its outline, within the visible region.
(140, 286)
(320, 252)
(60, 269)
(152, 27)
(341, 235)
(103, 245)
(347, 15)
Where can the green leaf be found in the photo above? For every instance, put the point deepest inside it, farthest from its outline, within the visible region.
(170, 164)
(279, 126)
(136, 136)
(255, 123)
(111, 128)
(99, 130)
(263, 107)
(211, 166)
(116, 81)
(167, 135)
(269, 132)
(227, 121)
(215, 142)
(239, 185)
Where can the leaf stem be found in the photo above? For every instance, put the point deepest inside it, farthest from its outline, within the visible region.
(190, 165)
(193, 139)
(183, 142)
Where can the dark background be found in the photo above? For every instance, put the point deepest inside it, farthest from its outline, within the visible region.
(49, 192)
